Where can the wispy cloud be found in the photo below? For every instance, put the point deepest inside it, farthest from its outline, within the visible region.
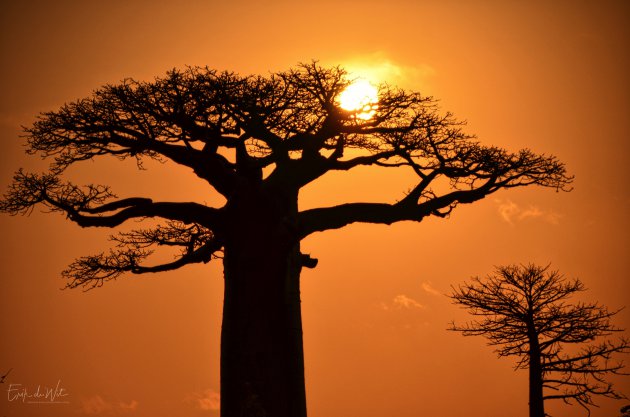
(97, 405)
(208, 400)
(511, 212)
(377, 67)
(426, 286)
(130, 406)
(402, 301)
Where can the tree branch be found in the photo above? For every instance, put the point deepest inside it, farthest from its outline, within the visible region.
(197, 244)
(87, 206)
(321, 219)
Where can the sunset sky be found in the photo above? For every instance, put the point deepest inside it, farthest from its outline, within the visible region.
(550, 76)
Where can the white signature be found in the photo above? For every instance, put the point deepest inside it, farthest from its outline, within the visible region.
(41, 395)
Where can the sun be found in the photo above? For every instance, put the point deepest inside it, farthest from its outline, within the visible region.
(361, 97)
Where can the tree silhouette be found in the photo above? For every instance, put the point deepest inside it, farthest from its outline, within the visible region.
(257, 141)
(524, 311)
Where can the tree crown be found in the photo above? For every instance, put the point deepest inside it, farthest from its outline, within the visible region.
(247, 135)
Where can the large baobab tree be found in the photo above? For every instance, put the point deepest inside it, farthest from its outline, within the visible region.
(525, 312)
(257, 140)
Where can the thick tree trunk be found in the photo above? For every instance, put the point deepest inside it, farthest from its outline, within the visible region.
(262, 360)
(536, 402)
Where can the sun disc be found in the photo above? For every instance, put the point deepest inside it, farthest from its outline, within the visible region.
(361, 97)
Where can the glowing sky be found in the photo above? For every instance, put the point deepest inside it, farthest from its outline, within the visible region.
(551, 76)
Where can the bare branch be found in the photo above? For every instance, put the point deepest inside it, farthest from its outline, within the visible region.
(86, 206)
(321, 219)
(197, 244)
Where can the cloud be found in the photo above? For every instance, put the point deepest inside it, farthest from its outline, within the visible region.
(208, 400)
(377, 67)
(402, 301)
(131, 406)
(96, 405)
(512, 212)
(426, 285)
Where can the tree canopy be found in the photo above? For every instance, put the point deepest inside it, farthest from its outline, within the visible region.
(275, 133)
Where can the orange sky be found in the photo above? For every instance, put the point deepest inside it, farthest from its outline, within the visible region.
(550, 77)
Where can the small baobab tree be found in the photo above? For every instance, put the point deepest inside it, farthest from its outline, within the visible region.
(525, 311)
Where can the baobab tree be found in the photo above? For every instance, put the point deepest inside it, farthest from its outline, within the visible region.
(524, 311)
(257, 140)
